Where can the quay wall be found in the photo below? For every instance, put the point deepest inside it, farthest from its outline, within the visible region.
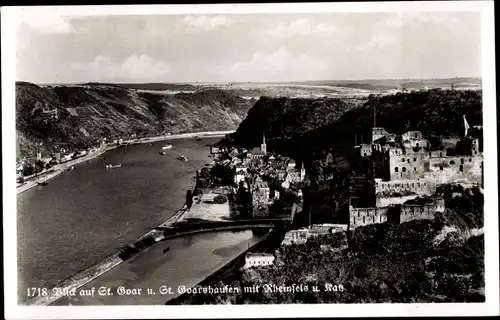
(267, 245)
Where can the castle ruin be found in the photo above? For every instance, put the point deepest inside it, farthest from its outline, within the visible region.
(407, 166)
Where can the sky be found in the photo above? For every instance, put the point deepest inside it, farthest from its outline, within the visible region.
(248, 47)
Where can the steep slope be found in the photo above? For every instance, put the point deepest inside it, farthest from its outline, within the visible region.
(433, 112)
(283, 119)
(87, 113)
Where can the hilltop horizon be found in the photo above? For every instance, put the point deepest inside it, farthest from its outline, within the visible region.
(264, 48)
(252, 82)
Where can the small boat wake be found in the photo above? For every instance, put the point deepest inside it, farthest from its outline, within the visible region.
(110, 166)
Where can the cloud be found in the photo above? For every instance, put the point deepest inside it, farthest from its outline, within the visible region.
(205, 22)
(133, 68)
(302, 27)
(279, 65)
(46, 22)
(416, 19)
(378, 42)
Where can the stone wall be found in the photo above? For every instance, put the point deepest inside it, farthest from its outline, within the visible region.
(467, 169)
(405, 187)
(406, 212)
(382, 201)
(407, 166)
(364, 216)
(415, 212)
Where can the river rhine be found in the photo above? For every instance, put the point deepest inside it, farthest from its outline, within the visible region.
(84, 215)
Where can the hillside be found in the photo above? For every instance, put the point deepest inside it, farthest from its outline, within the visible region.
(284, 119)
(87, 113)
(433, 112)
(319, 124)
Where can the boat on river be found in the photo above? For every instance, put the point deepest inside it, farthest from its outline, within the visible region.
(167, 249)
(110, 166)
(42, 183)
(167, 146)
(70, 168)
(162, 153)
(182, 158)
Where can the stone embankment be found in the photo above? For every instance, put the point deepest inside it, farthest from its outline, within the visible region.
(166, 230)
(268, 245)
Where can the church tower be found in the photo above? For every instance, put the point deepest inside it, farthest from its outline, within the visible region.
(263, 146)
(302, 172)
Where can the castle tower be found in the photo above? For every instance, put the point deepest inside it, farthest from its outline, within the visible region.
(263, 146)
(377, 133)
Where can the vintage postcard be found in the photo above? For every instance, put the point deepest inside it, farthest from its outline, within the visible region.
(291, 160)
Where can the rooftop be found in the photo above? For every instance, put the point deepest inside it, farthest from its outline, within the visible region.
(255, 254)
(261, 184)
(257, 151)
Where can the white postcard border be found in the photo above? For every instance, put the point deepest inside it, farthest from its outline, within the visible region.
(10, 18)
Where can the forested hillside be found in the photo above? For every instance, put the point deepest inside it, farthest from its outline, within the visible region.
(88, 113)
(433, 112)
(285, 119)
(308, 126)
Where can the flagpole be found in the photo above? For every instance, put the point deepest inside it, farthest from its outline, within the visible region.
(466, 126)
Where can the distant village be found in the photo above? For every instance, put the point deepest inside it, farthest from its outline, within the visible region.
(44, 161)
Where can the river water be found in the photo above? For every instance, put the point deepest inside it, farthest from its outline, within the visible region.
(189, 260)
(84, 215)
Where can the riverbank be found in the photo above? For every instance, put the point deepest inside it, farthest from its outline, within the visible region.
(157, 234)
(60, 168)
(268, 245)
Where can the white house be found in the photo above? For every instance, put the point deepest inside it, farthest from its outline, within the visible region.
(258, 260)
(298, 236)
(239, 177)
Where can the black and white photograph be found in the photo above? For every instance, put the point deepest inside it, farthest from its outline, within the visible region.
(318, 159)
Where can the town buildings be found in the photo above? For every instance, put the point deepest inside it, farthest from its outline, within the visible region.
(263, 176)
